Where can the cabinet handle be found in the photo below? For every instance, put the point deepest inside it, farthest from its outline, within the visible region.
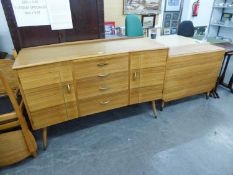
(102, 64)
(68, 88)
(104, 102)
(103, 88)
(103, 75)
(135, 76)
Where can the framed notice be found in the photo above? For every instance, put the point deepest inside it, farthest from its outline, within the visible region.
(172, 5)
(148, 21)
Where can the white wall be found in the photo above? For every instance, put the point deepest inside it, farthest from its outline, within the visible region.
(6, 44)
(204, 13)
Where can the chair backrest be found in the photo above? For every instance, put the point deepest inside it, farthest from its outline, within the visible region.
(186, 29)
(15, 144)
(133, 26)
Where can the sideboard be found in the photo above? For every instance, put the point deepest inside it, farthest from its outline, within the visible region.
(66, 81)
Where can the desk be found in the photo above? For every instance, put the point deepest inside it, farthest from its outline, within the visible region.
(192, 67)
(65, 81)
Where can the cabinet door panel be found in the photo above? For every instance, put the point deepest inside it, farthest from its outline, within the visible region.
(48, 116)
(49, 94)
(39, 76)
(43, 98)
(147, 71)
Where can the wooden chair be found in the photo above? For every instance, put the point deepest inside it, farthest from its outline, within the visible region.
(16, 141)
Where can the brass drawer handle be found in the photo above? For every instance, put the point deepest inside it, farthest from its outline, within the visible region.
(104, 102)
(102, 64)
(103, 88)
(135, 76)
(68, 88)
(103, 75)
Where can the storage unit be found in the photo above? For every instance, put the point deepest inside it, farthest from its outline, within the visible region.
(63, 82)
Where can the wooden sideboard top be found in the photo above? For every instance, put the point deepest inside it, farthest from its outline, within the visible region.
(179, 45)
(34, 56)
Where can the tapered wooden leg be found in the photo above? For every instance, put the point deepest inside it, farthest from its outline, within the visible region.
(162, 105)
(207, 95)
(44, 138)
(34, 154)
(154, 109)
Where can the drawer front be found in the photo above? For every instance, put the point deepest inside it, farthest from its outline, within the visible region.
(100, 65)
(95, 86)
(103, 103)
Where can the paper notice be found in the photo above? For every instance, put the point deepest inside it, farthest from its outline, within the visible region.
(59, 14)
(30, 12)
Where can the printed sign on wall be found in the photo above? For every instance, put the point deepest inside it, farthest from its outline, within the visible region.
(43, 12)
(30, 12)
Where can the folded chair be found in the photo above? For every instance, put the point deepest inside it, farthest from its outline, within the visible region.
(16, 140)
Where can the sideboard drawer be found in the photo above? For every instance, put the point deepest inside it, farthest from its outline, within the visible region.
(98, 65)
(103, 103)
(95, 86)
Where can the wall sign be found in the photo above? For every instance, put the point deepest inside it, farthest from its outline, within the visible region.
(43, 12)
(59, 14)
(30, 12)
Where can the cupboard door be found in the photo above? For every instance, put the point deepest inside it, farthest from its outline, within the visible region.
(45, 94)
(147, 71)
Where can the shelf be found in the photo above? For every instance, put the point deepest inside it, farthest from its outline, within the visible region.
(223, 7)
(222, 25)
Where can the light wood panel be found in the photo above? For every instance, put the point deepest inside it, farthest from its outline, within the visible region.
(98, 80)
(100, 66)
(147, 70)
(95, 86)
(79, 50)
(49, 93)
(191, 74)
(103, 103)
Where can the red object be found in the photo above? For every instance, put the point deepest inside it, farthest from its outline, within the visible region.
(196, 8)
(110, 27)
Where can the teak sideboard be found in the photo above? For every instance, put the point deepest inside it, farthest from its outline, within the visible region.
(65, 81)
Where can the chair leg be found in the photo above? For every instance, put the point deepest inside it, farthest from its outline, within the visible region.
(45, 138)
(154, 109)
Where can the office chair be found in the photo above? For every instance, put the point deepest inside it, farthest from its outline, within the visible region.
(186, 29)
(133, 26)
